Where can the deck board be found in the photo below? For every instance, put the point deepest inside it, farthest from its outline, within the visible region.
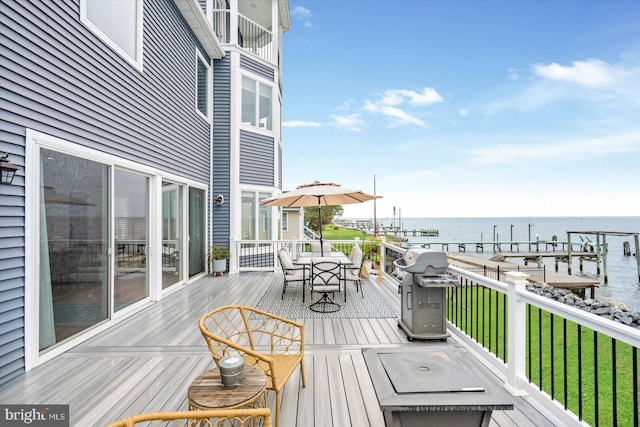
(147, 361)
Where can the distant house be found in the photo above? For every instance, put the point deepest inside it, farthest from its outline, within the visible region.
(292, 224)
(127, 121)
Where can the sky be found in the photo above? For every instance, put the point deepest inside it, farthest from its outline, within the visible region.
(466, 108)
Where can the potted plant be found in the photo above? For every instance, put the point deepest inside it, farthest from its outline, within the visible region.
(218, 258)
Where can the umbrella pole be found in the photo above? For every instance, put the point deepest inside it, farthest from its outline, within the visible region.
(320, 227)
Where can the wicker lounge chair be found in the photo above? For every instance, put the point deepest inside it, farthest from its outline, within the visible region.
(237, 330)
(209, 418)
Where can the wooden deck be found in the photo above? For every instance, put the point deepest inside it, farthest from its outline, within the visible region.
(147, 361)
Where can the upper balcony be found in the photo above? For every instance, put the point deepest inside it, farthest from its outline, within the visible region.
(250, 25)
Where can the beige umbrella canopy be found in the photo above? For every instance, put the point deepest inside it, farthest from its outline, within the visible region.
(319, 194)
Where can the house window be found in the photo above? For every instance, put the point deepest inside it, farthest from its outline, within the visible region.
(203, 90)
(256, 219)
(256, 104)
(285, 221)
(118, 23)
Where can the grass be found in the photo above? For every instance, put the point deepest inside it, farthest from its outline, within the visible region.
(333, 232)
(559, 351)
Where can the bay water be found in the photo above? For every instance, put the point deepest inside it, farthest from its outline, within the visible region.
(623, 284)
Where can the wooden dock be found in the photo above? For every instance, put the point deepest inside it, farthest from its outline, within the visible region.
(557, 280)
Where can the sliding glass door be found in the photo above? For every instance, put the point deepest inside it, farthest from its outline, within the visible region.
(197, 238)
(131, 232)
(93, 225)
(172, 230)
(73, 246)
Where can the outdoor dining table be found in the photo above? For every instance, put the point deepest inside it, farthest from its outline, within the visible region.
(304, 258)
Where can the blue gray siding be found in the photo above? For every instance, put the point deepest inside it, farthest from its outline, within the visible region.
(254, 66)
(256, 159)
(221, 178)
(61, 79)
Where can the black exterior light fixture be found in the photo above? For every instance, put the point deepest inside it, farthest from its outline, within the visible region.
(7, 170)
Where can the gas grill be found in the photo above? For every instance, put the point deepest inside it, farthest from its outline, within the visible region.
(423, 278)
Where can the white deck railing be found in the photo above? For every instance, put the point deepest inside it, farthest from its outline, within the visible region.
(524, 325)
(517, 307)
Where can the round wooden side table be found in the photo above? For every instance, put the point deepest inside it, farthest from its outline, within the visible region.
(207, 391)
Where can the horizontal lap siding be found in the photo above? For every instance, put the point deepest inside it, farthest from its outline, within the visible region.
(59, 78)
(221, 177)
(256, 159)
(256, 67)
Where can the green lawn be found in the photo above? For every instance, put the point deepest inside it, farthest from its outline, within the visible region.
(332, 232)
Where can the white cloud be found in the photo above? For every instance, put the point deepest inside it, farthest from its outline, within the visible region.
(513, 74)
(395, 97)
(594, 83)
(302, 14)
(464, 112)
(351, 122)
(565, 149)
(590, 73)
(301, 124)
(397, 116)
(390, 101)
(346, 105)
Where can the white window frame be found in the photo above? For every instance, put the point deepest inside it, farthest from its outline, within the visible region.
(258, 82)
(285, 222)
(137, 61)
(209, 115)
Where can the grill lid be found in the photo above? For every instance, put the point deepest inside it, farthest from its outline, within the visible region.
(423, 261)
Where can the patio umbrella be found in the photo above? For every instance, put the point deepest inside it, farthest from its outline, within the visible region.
(320, 194)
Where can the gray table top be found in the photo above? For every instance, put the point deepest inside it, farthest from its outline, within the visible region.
(434, 377)
(304, 258)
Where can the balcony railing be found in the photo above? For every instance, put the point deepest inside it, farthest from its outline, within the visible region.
(251, 36)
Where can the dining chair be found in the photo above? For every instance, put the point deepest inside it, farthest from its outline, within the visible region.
(292, 272)
(352, 272)
(315, 246)
(210, 418)
(326, 278)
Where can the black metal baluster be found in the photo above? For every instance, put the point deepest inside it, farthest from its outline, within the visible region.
(564, 362)
(504, 327)
(529, 350)
(595, 377)
(614, 382)
(540, 345)
(580, 400)
(636, 415)
(553, 359)
(477, 310)
(490, 318)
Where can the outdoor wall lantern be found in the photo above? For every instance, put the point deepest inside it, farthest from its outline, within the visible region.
(7, 170)
(219, 200)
